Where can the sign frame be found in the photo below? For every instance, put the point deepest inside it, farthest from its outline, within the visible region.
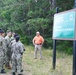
(74, 26)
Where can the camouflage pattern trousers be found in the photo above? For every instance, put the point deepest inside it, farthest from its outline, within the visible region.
(17, 64)
(8, 57)
(1, 62)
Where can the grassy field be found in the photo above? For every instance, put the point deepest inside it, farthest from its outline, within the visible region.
(44, 67)
(33, 66)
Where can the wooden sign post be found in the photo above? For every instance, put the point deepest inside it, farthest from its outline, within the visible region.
(64, 28)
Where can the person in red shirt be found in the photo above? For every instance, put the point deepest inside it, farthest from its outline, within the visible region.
(38, 41)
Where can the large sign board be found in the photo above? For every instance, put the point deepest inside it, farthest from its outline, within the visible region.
(64, 25)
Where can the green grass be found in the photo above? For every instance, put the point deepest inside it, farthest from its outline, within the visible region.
(44, 67)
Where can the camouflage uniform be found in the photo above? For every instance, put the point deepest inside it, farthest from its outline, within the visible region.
(17, 51)
(8, 52)
(2, 52)
(12, 42)
(21, 55)
(12, 38)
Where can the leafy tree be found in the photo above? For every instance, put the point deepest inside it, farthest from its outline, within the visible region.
(28, 16)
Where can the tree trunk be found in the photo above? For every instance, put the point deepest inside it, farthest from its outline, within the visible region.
(75, 4)
(52, 4)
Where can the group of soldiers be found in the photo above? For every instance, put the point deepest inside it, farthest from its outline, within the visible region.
(11, 51)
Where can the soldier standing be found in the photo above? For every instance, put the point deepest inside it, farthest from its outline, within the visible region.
(2, 50)
(13, 41)
(8, 52)
(17, 52)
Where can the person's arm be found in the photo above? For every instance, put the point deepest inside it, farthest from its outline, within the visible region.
(23, 47)
(12, 47)
(4, 47)
(6, 41)
(34, 41)
(42, 40)
(21, 50)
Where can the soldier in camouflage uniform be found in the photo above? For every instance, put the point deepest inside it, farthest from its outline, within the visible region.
(2, 51)
(3, 35)
(13, 41)
(8, 52)
(12, 38)
(17, 52)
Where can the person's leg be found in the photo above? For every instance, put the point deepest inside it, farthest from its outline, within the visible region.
(1, 64)
(6, 60)
(9, 59)
(19, 66)
(7, 64)
(13, 66)
(40, 50)
(35, 52)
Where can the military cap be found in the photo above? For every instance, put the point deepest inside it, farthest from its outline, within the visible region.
(1, 30)
(17, 38)
(15, 35)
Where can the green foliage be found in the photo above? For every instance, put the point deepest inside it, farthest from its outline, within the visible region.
(48, 43)
(28, 16)
(65, 46)
(37, 23)
(25, 40)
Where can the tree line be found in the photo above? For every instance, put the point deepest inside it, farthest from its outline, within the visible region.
(28, 16)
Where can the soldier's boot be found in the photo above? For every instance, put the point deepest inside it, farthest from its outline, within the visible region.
(22, 70)
(2, 71)
(13, 73)
(20, 74)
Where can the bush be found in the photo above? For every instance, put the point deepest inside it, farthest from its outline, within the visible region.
(65, 46)
(25, 40)
(48, 43)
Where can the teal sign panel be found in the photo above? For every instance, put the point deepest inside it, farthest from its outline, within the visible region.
(64, 25)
